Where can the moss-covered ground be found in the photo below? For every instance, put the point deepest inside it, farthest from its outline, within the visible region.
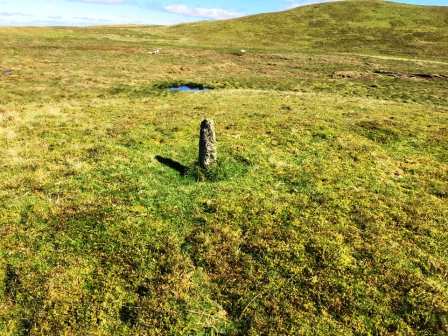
(326, 214)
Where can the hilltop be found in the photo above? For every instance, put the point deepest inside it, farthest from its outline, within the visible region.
(377, 27)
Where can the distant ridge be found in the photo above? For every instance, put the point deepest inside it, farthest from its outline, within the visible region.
(378, 27)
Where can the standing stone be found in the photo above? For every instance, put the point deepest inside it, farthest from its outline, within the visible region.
(207, 144)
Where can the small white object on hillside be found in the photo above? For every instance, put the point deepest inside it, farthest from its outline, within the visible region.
(154, 52)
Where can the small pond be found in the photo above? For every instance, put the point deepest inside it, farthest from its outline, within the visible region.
(188, 88)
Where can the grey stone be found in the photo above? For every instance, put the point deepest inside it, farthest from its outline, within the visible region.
(207, 144)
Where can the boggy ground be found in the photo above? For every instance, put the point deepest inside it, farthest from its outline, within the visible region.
(327, 213)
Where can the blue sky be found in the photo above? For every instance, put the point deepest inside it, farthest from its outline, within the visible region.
(95, 12)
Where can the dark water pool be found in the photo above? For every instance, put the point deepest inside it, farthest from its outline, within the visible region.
(187, 88)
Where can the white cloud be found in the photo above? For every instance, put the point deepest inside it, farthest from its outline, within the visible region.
(8, 14)
(22, 19)
(104, 2)
(208, 13)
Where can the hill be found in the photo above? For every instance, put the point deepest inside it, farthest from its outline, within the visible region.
(346, 26)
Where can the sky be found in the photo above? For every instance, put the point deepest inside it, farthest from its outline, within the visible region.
(104, 12)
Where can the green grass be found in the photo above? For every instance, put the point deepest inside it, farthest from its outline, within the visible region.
(326, 214)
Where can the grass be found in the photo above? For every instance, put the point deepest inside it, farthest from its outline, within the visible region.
(326, 215)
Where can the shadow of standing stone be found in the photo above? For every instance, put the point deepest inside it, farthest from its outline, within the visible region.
(177, 166)
(207, 144)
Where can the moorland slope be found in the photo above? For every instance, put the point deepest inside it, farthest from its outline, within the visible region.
(374, 26)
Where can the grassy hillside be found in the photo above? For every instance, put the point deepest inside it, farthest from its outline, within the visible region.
(326, 215)
(348, 26)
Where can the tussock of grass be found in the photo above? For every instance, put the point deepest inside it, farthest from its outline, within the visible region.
(223, 170)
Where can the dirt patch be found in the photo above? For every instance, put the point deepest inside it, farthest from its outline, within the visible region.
(427, 76)
(7, 72)
(386, 73)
